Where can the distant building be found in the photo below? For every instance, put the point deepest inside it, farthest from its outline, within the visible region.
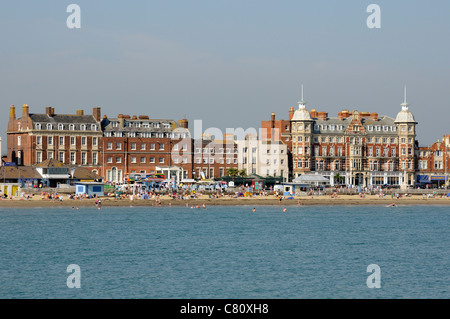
(354, 148)
(266, 158)
(72, 139)
(433, 161)
(139, 145)
(213, 157)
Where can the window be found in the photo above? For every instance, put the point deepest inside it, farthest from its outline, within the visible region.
(143, 146)
(161, 159)
(299, 139)
(109, 159)
(19, 140)
(133, 146)
(133, 160)
(38, 126)
(94, 158)
(38, 140)
(161, 147)
(370, 128)
(94, 141)
(83, 158)
(93, 127)
(72, 127)
(152, 159)
(152, 146)
(118, 159)
(109, 146)
(300, 127)
(83, 127)
(72, 158)
(61, 140)
(118, 146)
(50, 140)
(83, 140)
(50, 155)
(38, 157)
(60, 126)
(49, 126)
(61, 157)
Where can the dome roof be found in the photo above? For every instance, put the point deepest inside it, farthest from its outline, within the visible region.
(404, 115)
(301, 114)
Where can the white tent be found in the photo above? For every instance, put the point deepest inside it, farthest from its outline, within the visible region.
(311, 179)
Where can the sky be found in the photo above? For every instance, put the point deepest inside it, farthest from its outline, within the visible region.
(229, 63)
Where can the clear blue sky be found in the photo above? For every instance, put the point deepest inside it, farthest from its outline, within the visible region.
(230, 63)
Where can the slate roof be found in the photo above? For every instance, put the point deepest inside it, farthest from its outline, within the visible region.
(63, 118)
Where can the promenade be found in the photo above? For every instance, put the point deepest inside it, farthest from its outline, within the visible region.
(166, 200)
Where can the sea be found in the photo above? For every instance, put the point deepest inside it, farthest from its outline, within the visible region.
(226, 252)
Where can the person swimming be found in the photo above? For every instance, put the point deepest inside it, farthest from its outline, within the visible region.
(254, 209)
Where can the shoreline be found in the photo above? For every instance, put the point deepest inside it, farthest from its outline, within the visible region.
(346, 200)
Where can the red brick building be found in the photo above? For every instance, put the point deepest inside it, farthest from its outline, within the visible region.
(432, 163)
(139, 145)
(212, 158)
(70, 138)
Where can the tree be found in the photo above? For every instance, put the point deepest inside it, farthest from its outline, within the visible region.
(338, 178)
(232, 172)
(242, 173)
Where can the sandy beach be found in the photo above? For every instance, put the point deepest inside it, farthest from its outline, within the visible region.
(36, 201)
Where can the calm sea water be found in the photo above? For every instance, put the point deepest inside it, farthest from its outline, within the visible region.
(225, 252)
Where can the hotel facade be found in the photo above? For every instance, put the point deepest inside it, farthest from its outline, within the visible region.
(353, 148)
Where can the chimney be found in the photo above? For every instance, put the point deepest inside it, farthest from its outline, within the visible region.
(80, 112)
(97, 113)
(272, 119)
(291, 113)
(313, 113)
(48, 111)
(323, 115)
(12, 112)
(183, 123)
(121, 120)
(25, 110)
(374, 116)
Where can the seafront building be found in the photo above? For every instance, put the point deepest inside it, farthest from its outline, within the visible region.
(354, 148)
(139, 146)
(263, 157)
(433, 163)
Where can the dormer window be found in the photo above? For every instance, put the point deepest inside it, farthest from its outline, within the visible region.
(83, 127)
(72, 127)
(93, 127)
(49, 126)
(60, 127)
(38, 126)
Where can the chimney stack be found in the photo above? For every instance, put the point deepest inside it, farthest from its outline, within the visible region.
(12, 112)
(49, 110)
(291, 113)
(183, 123)
(25, 110)
(97, 113)
(80, 112)
(374, 116)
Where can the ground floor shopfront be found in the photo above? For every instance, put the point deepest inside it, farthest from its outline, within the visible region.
(366, 179)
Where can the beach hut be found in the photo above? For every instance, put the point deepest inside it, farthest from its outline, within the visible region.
(90, 188)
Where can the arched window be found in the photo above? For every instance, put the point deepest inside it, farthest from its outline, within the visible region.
(93, 127)
(71, 127)
(49, 126)
(83, 127)
(38, 126)
(60, 126)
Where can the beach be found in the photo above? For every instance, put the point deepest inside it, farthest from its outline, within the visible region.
(37, 201)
